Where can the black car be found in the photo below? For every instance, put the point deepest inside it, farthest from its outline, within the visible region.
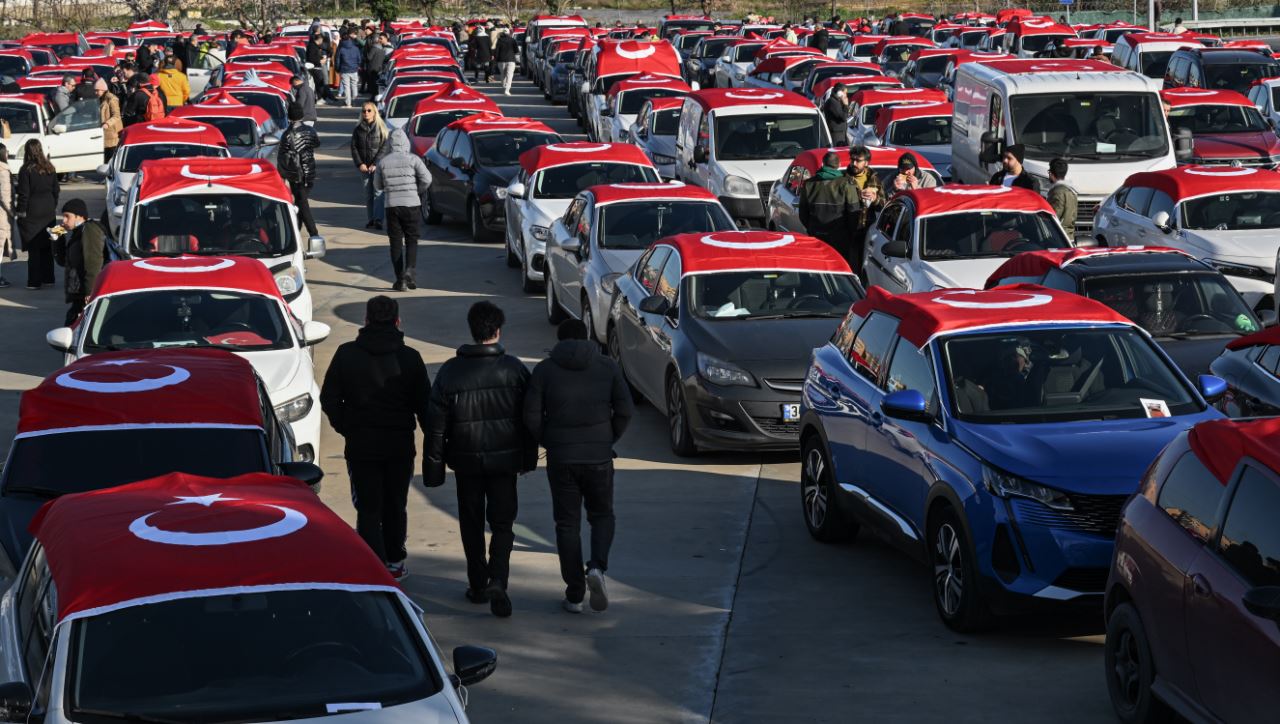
(717, 329)
(471, 163)
(700, 65)
(558, 79)
(1218, 69)
(1251, 367)
(1186, 306)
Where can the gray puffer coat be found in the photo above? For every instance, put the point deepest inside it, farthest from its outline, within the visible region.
(401, 175)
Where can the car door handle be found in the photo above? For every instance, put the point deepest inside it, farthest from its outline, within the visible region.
(1200, 585)
(877, 419)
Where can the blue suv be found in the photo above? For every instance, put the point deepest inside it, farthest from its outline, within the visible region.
(996, 434)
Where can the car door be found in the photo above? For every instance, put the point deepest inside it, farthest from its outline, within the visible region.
(1234, 653)
(461, 167)
(437, 161)
(515, 211)
(1130, 212)
(856, 390)
(36, 614)
(785, 201)
(200, 73)
(879, 268)
(633, 288)
(562, 263)
(76, 145)
(571, 281)
(655, 343)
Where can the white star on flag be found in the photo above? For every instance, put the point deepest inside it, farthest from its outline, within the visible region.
(205, 500)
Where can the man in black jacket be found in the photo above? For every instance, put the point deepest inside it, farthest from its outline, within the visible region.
(316, 55)
(835, 110)
(296, 162)
(482, 53)
(375, 391)
(477, 428)
(578, 406)
(1012, 173)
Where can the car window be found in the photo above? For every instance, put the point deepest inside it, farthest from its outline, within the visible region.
(1160, 201)
(1269, 359)
(37, 609)
(650, 271)
(872, 344)
(80, 116)
(1057, 279)
(1250, 538)
(888, 219)
(669, 282)
(903, 232)
(461, 150)
(843, 337)
(796, 177)
(1191, 496)
(911, 369)
(573, 214)
(1138, 198)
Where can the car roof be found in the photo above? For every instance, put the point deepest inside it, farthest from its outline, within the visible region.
(457, 97)
(733, 251)
(1184, 97)
(235, 273)
(645, 80)
(483, 122)
(933, 109)
(564, 154)
(1187, 182)
(1223, 56)
(875, 96)
(172, 130)
(673, 191)
(958, 198)
(167, 176)
(713, 99)
(1080, 262)
(221, 104)
(1222, 444)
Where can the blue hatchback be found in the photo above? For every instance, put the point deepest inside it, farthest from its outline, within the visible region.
(997, 434)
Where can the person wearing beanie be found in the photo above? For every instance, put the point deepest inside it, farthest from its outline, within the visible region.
(81, 250)
(830, 207)
(112, 120)
(1012, 173)
(909, 175)
(83, 90)
(296, 162)
(173, 86)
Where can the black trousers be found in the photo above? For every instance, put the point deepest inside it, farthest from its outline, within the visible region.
(321, 81)
(573, 487)
(74, 308)
(489, 498)
(39, 259)
(380, 494)
(402, 230)
(300, 200)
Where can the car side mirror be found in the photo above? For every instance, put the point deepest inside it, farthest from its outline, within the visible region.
(59, 128)
(309, 473)
(104, 170)
(61, 339)
(473, 664)
(700, 154)
(606, 111)
(1263, 601)
(992, 148)
(309, 66)
(271, 139)
(655, 304)
(1183, 144)
(1212, 388)
(316, 247)
(1084, 241)
(1268, 317)
(906, 405)
(314, 332)
(16, 700)
(1161, 220)
(896, 250)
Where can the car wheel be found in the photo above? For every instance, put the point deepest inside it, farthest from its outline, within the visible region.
(587, 321)
(824, 520)
(678, 418)
(527, 285)
(614, 346)
(555, 314)
(475, 219)
(513, 261)
(1130, 669)
(956, 592)
(429, 213)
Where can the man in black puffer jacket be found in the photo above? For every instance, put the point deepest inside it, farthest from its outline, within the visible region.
(296, 162)
(477, 428)
(375, 391)
(578, 406)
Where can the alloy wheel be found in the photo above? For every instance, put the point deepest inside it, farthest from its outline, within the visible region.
(675, 411)
(948, 569)
(813, 490)
(1127, 668)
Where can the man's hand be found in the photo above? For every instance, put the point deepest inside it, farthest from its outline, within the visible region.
(364, 168)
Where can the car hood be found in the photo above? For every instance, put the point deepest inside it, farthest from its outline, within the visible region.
(433, 710)
(543, 211)
(757, 171)
(764, 347)
(617, 261)
(1194, 354)
(958, 273)
(1254, 247)
(280, 370)
(1236, 145)
(242, 151)
(495, 175)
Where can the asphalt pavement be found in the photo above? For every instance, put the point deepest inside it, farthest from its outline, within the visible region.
(722, 607)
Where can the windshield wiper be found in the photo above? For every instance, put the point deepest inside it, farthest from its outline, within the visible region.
(129, 716)
(32, 490)
(790, 315)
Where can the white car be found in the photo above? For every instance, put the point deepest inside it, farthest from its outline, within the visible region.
(223, 302)
(71, 139)
(246, 584)
(550, 176)
(956, 236)
(654, 131)
(626, 97)
(867, 103)
(921, 128)
(605, 230)
(730, 70)
(1265, 94)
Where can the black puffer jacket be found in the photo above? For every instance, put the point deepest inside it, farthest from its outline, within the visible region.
(476, 420)
(578, 404)
(375, 390)
(367, 145)
(296, 158)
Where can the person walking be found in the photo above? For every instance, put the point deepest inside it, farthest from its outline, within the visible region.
(872, 194)
(403, 179)
(476, 426)
(112, 121)
(578, 407)
(81, 249)
(830, 206)
(305, 97)
(835, 110)
(368, 145)
(6, 214)
(1062, 196)
(296, 161)
(375, 394)
(505, 53)
(483, 56)
(173, 86)
(348, 60)
(37, 202)
(316, 56)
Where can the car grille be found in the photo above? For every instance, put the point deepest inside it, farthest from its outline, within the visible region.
(785, 384)
(765, 188)
(775, 426)
(1085, 580)
(1258, 162)
(1084, 213)
(1098, 514)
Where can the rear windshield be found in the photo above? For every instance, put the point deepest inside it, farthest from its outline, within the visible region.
(135, 155)
(237, 131)
(921, 132)
(1155, 63)
(503, 148)
(772, 295)
(637, 225)
(666, 122)
(564, 182)
(429, 124)
(1238, 76)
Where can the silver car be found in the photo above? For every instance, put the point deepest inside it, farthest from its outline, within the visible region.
(654, 131)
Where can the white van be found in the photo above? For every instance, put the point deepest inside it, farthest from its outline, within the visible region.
(1106, 121)
(736, 142)
(1149, 53)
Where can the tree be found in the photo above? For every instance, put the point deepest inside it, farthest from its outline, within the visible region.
(150, 9)
(263, 15)
(386, 9)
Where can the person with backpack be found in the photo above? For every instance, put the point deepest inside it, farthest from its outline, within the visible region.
(296, 161)
(81, 249)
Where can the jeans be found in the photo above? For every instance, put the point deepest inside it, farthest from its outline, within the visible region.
(300, 192)
(492, 498)
(374, 200)
(380, 494)
(349, 83)
(402, 230)
(508, 71)
(574, 486)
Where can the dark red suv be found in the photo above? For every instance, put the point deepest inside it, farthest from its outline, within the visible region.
(1193, 598)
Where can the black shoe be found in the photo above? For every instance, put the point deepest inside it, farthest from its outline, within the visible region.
(409, 282)
(4, 283)
(377, 225)
(499, 601)
(475, 596)
(369, 224)
(398, 286)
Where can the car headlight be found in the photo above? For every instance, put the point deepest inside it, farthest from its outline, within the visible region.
(540, 232)
(289, 280)
(294, 409)
(1003, 484)
(119, 197)
(500, 192)
(1232, 269)
(609, 282)
(719, 372)
(659, 158)
(738, 186)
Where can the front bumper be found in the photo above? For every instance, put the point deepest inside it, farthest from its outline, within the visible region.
(742, 208)
(536, 251)
(493, 215)
(740, 418)
(301, 305)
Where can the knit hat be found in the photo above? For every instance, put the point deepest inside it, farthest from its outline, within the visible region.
(99, 85)
(77, 207)
(906, 161)
(1018, 150)
(87, 75)
(295, 111)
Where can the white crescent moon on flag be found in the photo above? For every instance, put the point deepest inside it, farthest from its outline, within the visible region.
(151, 266)
(176, 376)
(292, 522)
(1027, 300)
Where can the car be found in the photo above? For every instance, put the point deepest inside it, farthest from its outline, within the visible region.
(699, 65)
(1149, 53)
(822, 71)
(1032, 37)
(893, 52)
(654, 131)
(730, 69)
(1186, 306)
(549, 177)
(222, 302)
(713, 328)
(1223, 215)
(926, 67)
(995, 434)
(1084, 48)
(626, 97)
(1219, 69)
(72, 138)
(618, 61)
(1192, 605)
(254, 571)
(823, 89)
(1249, 365)
(605, 230)
(533, 33)
(1264, 95)
(436, 111)
(163, 138)
(248, 130)
(787, 72)
(560, 74)
(1223, 127)
(219, 207)
(397, 105)
(471, 164)
(269, 98)
(859, 47)
(866, 103)
(924, 129)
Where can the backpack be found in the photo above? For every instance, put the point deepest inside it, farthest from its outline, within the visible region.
(155, 106)
(288, 161)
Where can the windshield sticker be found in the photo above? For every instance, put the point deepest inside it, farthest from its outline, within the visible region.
(1154, 408)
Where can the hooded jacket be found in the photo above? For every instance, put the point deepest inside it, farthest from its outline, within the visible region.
(374, 391)
(401, 175)
(348, 56)
(296, 155)
(477, 416)
(506, 48)
(305, 95)
(578, 404)
(830, 208)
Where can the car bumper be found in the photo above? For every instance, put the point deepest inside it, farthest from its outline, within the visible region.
(493, 214)
(738, 418)
(306, 432)
(301, 305)
(741, 208)
(537, 253)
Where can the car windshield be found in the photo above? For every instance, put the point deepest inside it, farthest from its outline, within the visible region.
(665, 123)
(1233, 211)
(864, 50)
(637, 225)
(402, 106)
(928, 131)
(971, 39)
(744, 53)
(239, 224)
(1155, 62)
(20, 118)
(429, 124)
(82, 460)
(1175, 304)
(897, 55)
(13, 66)
(237, 131)
(1111, 35)
(771, 294)
(934, 64)
(1037, 43)
(567, 57)
(179, 317)
(1090, 126)
(564, 182)
(824, 71)
(713, 47)
(133, 156)
(269, 102)
(264, 656)
(503, 148)
(632, 100)
(1059, 375)
(989, 234)
(1217, 119)
(1237, 76)
(761, 137)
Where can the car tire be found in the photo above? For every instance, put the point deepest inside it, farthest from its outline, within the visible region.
(614, 348)
(587, 320)
(678, 431)
(826, 522)
(1131, 669)
(513, 261)
(956, 591)
(475, 220)
(429, 213)
(555, 313)
(527, 285)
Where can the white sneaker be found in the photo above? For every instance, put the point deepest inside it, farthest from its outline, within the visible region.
(570, 606)
(595, 583)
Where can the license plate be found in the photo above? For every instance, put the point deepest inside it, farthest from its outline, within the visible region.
(791, 412)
